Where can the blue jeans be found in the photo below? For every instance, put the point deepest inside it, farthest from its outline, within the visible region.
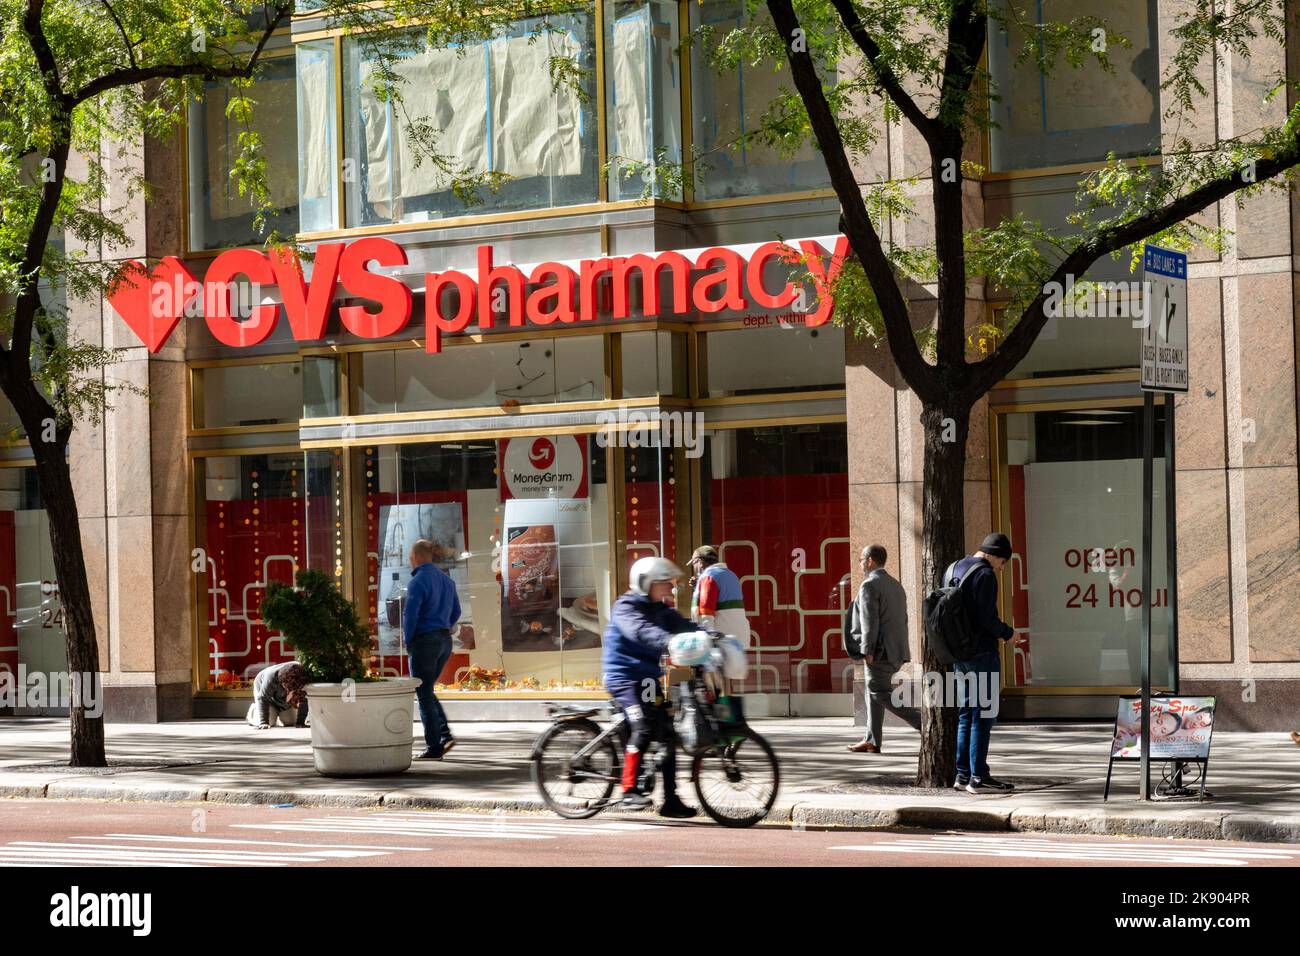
(978, 684)
(429, 653)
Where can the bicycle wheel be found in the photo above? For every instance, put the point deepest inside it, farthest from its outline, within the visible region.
(737, 780)
(574, 784)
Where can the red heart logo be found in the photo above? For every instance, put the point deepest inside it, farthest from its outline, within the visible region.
(152, 303)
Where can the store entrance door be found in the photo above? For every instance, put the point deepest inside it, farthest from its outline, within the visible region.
(1069, 492)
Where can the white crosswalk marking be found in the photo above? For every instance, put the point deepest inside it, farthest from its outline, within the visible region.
(172, 850)
(454, 826)
(1046, 848)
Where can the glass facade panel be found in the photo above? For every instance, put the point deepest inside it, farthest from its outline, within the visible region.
(484, 374)
(1077, 115)
(643, 92)
(231, 395)
(219, 216)
(768, 495)
(488, 107)
(31, 627)
(730, 104)
(1072, 490)
(318, 171)
(750, 361)
(654, 363)
(521, 525)
(320, 386)
(260, 518)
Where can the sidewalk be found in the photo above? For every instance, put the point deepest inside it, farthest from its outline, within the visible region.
(1059, 772)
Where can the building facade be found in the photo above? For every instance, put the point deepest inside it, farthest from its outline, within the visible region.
(513, 444)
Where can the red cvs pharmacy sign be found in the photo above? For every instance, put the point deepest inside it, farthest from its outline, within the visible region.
(718, 279)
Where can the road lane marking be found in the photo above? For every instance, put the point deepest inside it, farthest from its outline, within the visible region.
(1039, 848)
(159, 837)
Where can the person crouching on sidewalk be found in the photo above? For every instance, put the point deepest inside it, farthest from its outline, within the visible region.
(279, 689)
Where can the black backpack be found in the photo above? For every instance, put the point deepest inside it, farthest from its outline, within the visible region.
(947, 623)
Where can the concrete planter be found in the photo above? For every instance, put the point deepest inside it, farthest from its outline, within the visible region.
(362, 729)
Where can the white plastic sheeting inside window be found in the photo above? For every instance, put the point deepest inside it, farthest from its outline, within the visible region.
(491, 107)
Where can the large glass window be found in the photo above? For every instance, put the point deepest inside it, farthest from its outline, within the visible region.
(1076, 115)
(219, 215)
(483, 375)
(1071, 485)
(496, 107)
(269, 393)
(31, 620)
(522, 526)
(773, 359)
(317, 137)
(643, 90)
(775, 501)
(260, 518)
(654, 363)
(729, 105)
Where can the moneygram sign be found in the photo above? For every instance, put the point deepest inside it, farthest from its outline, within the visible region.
(708, 281)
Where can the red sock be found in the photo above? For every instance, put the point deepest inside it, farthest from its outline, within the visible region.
(631, 764)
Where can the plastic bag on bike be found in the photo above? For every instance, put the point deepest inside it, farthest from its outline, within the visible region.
(695, 726)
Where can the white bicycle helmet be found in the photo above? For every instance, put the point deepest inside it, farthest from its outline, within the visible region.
(647, 571)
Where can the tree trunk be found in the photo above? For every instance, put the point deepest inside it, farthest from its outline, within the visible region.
(944, 529)
(60, 504)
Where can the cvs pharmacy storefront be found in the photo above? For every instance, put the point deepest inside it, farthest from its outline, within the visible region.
(544, 424)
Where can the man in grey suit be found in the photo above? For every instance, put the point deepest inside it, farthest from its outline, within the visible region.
(878, 630)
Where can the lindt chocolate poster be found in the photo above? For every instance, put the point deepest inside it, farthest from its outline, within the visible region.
(400, 526)
(549, 599)
(1180, 728)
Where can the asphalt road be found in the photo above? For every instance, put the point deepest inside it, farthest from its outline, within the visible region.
(73, 833)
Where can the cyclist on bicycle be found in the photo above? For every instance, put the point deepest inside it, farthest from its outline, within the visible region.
(641, 623)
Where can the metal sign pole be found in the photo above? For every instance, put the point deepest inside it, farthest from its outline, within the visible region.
(1148, 426)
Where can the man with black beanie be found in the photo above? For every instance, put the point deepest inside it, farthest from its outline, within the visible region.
(979, 679)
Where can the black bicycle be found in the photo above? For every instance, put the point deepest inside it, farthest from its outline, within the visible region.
(577, 765)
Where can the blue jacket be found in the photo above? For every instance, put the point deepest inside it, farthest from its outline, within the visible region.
(431, 602)
(980, 583)
(637, 637)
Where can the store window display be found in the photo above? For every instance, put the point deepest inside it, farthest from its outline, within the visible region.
(521, 525)
(260, 518)
(1072, 491)
(776, 501)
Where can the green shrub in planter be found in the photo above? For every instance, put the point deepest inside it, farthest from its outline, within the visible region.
(321, 625)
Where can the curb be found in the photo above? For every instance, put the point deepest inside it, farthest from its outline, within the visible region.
(1193, 825)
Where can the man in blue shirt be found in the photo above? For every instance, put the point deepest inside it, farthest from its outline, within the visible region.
(432, 607)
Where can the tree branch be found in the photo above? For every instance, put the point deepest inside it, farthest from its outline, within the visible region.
(885, 75)
(1016, 345)
(130, 47)
(129, 76)
(853, 211)
(28, 300)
